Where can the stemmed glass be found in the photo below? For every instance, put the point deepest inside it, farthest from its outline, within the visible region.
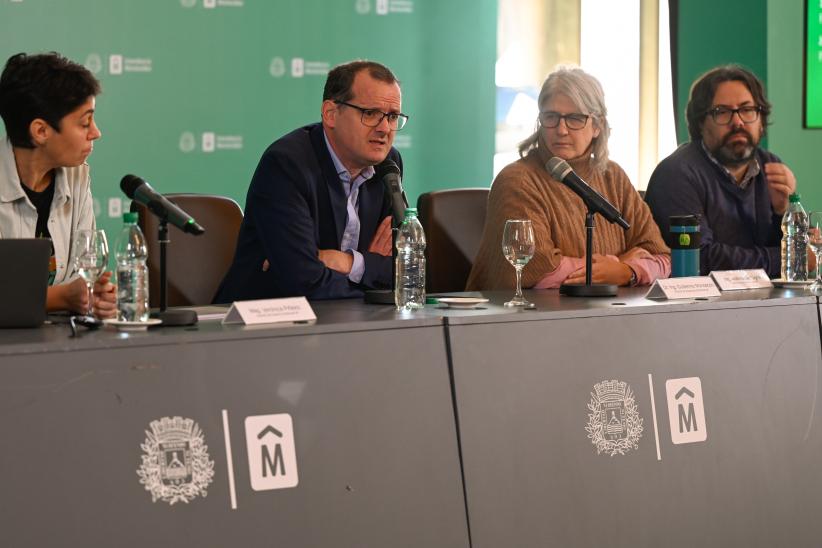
(90, 259)
(815, 242)
(518, 247)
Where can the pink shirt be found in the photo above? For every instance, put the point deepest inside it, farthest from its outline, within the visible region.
(647, 269)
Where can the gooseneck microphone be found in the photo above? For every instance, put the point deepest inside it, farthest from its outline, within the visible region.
(140, 191)
(389, 172)
(596, 202)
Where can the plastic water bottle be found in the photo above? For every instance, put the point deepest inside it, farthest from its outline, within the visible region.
(409, 268)
(795, 241)
(132, 273)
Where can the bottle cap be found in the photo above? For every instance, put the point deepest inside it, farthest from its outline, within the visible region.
(794, 198)
(130, 217)
(410, 212)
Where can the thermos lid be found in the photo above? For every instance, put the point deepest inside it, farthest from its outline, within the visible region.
(684, 220)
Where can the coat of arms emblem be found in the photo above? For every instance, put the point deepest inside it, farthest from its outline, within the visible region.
(614, 425)
(175, 467)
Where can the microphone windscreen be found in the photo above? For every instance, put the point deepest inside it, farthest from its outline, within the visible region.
(558, 168)
(129, 184)
(386, 167)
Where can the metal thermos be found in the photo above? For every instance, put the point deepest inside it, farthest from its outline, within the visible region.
(684, 243)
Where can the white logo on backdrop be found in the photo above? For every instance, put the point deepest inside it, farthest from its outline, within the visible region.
(118, 64)
(384, 7)
(211, 142)
(115, 207)
(188, 3)
(300, 67)
(363, 6)
(176, 466)
(115, 64)
(208, 141)
(614, 425)
(402, 140)
(401, 6)
(277, 67)
(297, 67)
(187, 141)
(209, 4)
(94, 63)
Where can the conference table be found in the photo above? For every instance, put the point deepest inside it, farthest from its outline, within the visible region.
(617, 421)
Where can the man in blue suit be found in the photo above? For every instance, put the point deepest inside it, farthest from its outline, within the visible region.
(317, 221)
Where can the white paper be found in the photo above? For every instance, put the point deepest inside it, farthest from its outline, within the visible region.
(683, 288)
(290, 310)
(731, 280)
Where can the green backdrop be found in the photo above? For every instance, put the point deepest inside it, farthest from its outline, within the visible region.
(195, 90)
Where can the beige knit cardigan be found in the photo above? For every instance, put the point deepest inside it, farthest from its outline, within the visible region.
(525, 190)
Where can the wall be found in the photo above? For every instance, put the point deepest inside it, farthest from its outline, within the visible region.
(714, 33)
(206, 85)
(799, 148)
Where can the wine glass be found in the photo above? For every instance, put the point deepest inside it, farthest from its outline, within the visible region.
(518, 247)
(815, 242)
(90, 259)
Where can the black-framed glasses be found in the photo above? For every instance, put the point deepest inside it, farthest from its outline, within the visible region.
(550, 119)
(373, 117)
(722, 116)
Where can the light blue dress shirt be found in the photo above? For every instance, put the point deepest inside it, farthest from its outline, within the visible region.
(351, 234)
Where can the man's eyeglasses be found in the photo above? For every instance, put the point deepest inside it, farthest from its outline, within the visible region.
(575, 120)
(373, 117)
(723, 115)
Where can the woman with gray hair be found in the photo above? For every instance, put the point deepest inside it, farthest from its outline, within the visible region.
(572, 125)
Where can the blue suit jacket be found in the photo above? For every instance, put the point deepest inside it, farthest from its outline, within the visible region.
(295, 206)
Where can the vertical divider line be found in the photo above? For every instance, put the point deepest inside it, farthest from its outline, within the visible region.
(229, 461)
(653, 412)
(449, 357)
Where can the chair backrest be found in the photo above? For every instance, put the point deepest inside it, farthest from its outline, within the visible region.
(453, 221)
(196, 264)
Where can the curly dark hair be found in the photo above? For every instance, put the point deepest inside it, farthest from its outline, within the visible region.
(704, 89)
(46, 86)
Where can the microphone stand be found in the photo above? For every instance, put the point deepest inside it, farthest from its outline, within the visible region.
(178, 316)
(588, 289)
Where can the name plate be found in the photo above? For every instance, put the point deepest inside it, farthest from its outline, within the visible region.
(731, 280)
(290, 310)
(683, 288)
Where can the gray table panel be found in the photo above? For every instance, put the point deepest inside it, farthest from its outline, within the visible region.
(342, 316)
(533, 477)
(373, 420)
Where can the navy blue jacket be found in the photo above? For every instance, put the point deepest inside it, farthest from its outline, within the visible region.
(295, 206)
(739, 228)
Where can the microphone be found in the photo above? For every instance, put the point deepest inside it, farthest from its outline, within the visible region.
(596, 202)
(140, 191)
(391, 179)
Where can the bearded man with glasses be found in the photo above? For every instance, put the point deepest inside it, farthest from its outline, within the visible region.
(739, 189)
(317, 220)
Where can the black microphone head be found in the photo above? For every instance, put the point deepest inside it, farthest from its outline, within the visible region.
(387, 166)
(129, 184)
(558, 168)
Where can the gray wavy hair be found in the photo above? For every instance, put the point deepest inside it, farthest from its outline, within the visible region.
(586, 93)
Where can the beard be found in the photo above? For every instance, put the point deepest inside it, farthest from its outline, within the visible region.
(735, 154)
